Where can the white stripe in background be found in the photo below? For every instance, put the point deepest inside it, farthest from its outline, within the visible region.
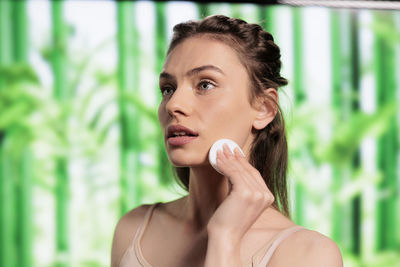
(344, 4)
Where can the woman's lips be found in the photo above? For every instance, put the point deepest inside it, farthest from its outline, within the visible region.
(180, 140)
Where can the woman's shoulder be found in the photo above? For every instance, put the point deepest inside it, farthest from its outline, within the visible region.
(307, 248)
(125, 230)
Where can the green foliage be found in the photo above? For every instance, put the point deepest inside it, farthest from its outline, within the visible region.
(349, 134)
(387, 258)
(18, 73)
(309, 149)
(339, 148)
(19, 99)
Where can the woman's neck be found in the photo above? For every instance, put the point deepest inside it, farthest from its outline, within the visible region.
(207, 190)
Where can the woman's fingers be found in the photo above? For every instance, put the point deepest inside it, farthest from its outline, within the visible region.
(230, 168)
(242, 179)
(243, 176)
(257, 178)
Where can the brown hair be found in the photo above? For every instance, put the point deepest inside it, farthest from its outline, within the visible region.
(261, 57)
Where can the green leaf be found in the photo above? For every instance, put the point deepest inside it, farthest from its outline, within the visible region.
(141, 106)
(18, 73)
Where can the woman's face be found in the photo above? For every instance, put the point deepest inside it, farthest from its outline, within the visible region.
(205, 89)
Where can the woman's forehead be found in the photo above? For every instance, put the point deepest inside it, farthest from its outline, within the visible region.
(200, 51)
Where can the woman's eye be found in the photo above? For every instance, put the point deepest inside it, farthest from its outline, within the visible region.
(206, 85)
(167, 90)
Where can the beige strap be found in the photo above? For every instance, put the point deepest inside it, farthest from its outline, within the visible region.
(279, 238)
(139, 234)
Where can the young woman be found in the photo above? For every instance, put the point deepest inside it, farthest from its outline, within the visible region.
(220, 80)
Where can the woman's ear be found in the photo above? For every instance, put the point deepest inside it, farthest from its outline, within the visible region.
(266, 108)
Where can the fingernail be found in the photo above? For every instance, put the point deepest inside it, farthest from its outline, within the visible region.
(237, 151)
(226, 147)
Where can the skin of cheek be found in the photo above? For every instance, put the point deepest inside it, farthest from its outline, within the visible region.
(231, 120)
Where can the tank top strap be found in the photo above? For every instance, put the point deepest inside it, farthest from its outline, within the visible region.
(139, 233)
(142, 227)
(276, 240)
(133, 255)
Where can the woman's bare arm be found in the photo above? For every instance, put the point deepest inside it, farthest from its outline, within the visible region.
(222, 252)
(307, 248)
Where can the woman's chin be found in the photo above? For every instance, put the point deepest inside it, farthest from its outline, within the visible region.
(187, 163)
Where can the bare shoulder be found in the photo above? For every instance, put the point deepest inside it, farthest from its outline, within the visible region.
(307, 248)
(124, 232)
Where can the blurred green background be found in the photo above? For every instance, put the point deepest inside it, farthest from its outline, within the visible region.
(80, 143)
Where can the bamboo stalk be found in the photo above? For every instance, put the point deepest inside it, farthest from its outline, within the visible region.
(161, 35)
(299, 98)
(355, 106)
(203, 10)
(267, 18)
(6, 48)
(336, 103)
(8, 252)
(61, 94)
(345, 88)
(131, 190)
(24, 206)
(24, 218)
(385, 68)
(20, 31)
(7, 247)
(164, 166)
(15, 199)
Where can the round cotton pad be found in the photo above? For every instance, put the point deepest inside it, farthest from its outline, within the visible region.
(212, 154)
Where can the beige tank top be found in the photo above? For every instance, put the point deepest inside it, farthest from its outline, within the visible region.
(133, 256)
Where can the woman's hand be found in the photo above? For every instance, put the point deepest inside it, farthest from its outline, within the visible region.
(247, 198)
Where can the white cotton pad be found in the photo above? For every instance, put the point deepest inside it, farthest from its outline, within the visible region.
(212, 154)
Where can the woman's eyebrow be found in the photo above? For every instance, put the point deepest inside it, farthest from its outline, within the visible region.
(203, 68)
(166, 75)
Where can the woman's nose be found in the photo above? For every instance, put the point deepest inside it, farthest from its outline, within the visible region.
(179, 102)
